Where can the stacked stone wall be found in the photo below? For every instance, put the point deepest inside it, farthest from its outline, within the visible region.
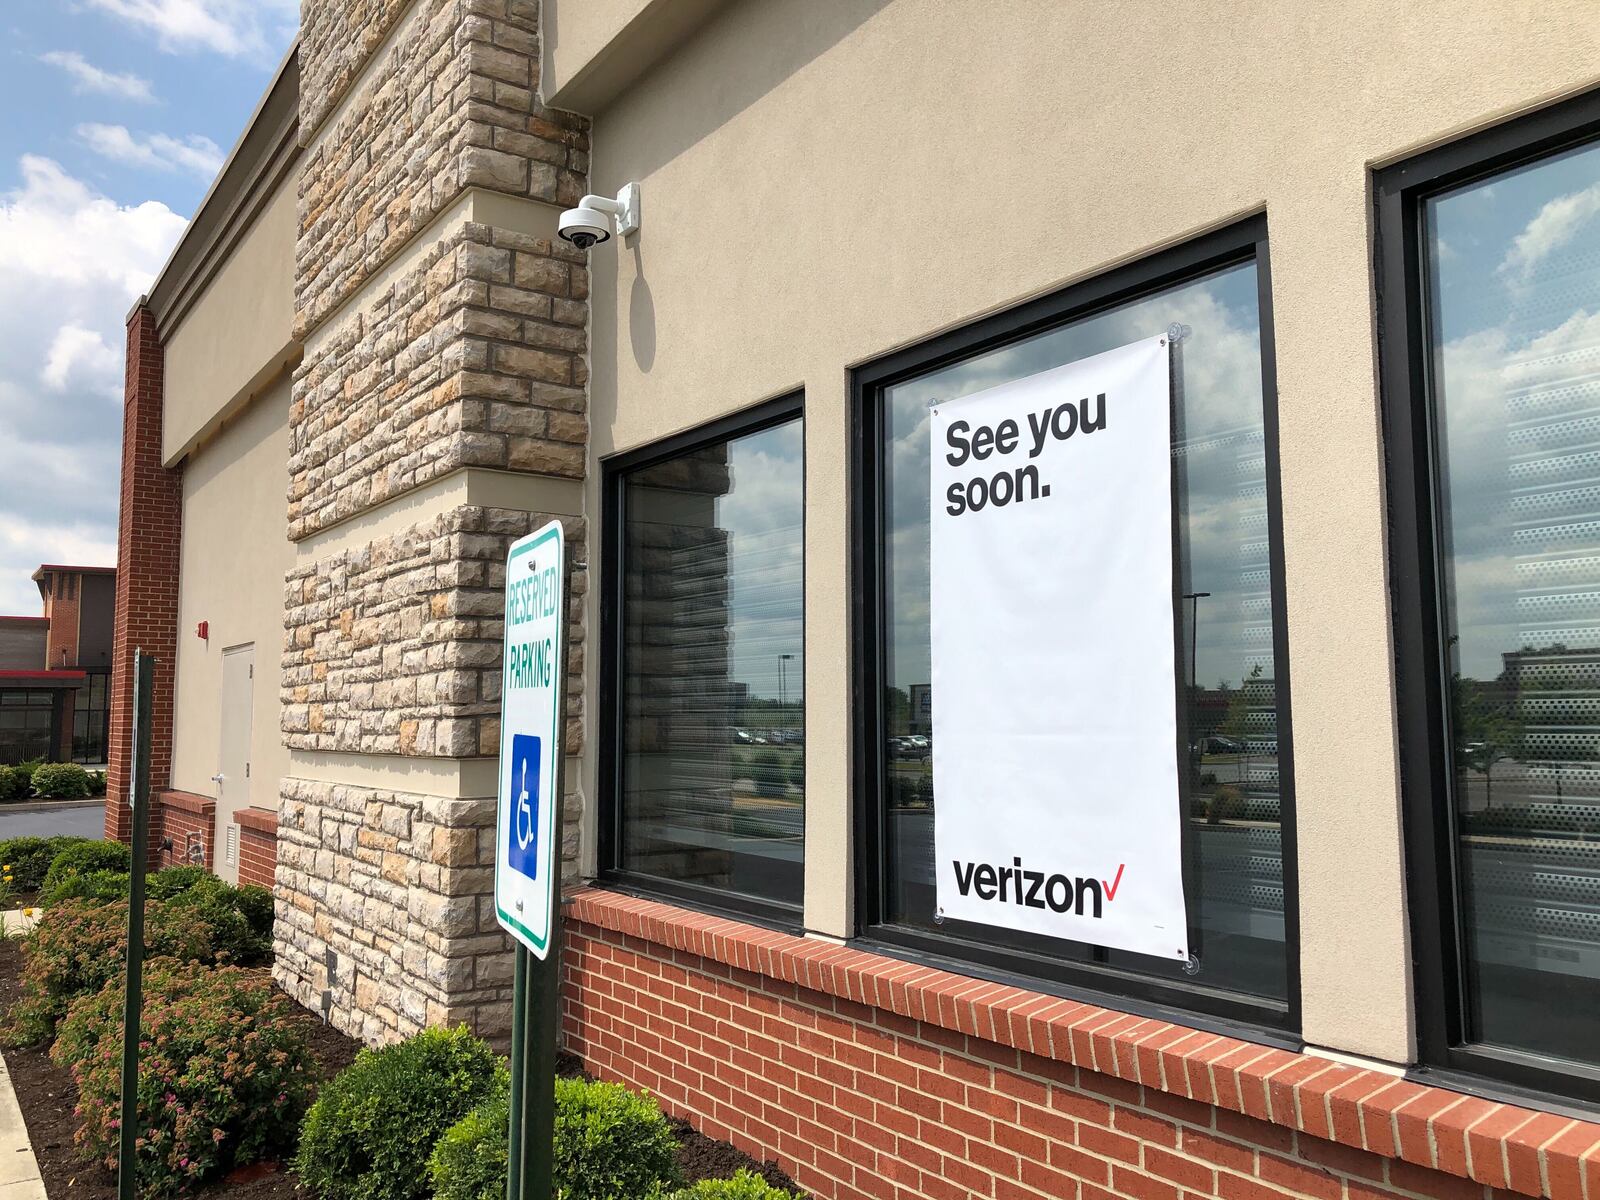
(433, 344)
(450, 102)
(474, 357)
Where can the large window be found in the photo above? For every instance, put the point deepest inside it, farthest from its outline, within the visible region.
(1489, 267)
(704, 631)
(27, 723)
(1236, 812)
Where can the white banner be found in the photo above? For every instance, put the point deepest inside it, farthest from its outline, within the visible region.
(1055, 743)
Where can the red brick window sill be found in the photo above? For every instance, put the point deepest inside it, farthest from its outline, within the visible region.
(188, 802)
(1498, 1145)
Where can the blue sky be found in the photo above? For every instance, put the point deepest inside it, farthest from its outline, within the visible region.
(117, 114)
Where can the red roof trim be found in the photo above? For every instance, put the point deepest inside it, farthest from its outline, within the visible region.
(9, 620)
(46, 676)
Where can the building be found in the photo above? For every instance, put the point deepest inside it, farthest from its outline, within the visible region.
(371, 364)
(55, 669)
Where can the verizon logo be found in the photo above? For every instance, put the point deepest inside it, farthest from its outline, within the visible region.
(1036, 889)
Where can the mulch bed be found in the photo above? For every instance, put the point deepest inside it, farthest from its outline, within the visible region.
(48, 1095)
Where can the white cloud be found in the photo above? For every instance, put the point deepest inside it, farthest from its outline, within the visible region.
(74, 263)
(79, 355)
(87, 77)
(196, 154)
(231, 27)
(1552, 227)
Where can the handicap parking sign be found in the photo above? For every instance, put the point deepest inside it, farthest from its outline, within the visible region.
(527, 836)
(522, 847)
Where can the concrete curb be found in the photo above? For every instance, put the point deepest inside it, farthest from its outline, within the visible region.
(50, 805)
(19, 1169)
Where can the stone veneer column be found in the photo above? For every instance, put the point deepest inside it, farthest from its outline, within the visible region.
(148, 521)
(438, 348)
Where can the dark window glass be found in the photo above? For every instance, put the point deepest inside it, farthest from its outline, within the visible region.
(91, 718)
(1233, 842)
(25, 726)
(1513, 310)
(713, 667)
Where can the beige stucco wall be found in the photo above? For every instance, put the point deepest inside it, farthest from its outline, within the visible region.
(237, 335)
(826, 180)
(234, 558)
(591, 49)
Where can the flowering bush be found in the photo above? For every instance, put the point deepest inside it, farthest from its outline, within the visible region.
(224, 1073)
(30, 857)
(370, 1132)
(78, 947)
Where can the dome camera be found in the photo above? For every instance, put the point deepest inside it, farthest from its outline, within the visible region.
(584, 226)
(590, 223)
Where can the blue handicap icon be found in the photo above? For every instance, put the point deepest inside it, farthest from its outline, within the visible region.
(522, 846)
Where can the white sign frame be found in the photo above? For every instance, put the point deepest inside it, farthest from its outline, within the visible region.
(532, 699)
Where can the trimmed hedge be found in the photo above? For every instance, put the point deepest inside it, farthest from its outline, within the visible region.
(224, 1077)
(83, 856)
(102, 886)
(371, 1131)
(13, 785)
(471, 1161)
(745, 1185)
(61, 781)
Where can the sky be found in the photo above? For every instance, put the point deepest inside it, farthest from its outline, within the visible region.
(114, 118)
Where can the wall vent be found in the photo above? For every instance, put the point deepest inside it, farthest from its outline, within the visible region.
(231, 846)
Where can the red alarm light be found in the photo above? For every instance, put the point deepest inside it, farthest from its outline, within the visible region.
(203, 631)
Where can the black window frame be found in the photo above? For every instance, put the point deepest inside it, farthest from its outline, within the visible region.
(1258, 1018)
(614, 471)
(1415, 571)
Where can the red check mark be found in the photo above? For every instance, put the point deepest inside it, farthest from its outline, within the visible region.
(1113, 884)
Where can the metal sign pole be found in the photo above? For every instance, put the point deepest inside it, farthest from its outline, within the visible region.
(144, 674)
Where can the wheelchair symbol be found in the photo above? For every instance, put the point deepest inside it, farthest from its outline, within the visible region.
(524, 811)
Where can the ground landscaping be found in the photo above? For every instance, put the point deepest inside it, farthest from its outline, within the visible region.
(243, 1091)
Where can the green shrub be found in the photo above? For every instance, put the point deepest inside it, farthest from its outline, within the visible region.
(78, 947)
(61, 781)
(224, 1076)
(171, 881)
(240, 917)
(610, 1143)
(13, 785)
(97, 783)
(369, 1135)
(30, 857)
(100, 886)
(81, 857)
(26, 768)
(745, 1185)
(471, 1160)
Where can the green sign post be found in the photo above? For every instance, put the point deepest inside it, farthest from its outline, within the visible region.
(144, 675)
(527, 883)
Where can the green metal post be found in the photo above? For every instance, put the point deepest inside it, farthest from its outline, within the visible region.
(144, 674)
(519, 1004)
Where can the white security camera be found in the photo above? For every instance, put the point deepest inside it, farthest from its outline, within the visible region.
(590, 223)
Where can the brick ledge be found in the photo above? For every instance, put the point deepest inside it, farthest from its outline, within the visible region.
(1501, 1145)
(189, 802)
(259, 820)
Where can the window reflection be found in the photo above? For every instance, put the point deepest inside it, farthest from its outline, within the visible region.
(713, 731)
(1232, 845)
(1514, 276)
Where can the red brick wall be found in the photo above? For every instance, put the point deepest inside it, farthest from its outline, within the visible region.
(147, 575)
(258, 845)
(61, 649)
(187, 820)
(865, 1076)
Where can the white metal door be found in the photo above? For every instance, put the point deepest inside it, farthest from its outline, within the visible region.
(233, 762)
